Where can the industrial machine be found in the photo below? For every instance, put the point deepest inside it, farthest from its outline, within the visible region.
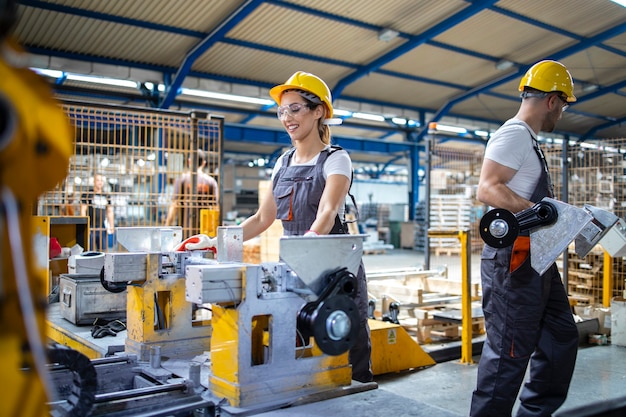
(552, 226)
(278, 331)
(35, 147)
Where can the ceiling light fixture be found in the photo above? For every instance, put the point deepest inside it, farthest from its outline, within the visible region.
(368, 116)
(229, 97)
(451, 129)
(504, 64)
(115, 82)
(589, 87)
(48, 72)
(102, 80)
(341, 113)
(387, 34)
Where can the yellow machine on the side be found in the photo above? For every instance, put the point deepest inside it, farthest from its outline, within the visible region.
(35, 147)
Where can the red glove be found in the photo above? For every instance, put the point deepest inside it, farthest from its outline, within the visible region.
(198, 242)
(55, 248)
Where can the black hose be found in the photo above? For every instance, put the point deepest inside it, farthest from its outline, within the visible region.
(81, 399)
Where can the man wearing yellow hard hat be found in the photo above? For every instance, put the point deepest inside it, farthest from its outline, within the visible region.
(527, 315)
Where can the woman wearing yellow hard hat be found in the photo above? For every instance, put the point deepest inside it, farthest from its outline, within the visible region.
(309, 185)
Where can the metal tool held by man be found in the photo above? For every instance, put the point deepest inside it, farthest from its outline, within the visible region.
(499, 227)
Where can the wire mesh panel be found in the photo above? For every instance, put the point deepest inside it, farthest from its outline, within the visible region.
(455, 170)
(595, 176)
(126, 165)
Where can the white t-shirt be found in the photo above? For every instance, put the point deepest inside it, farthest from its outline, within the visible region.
(338, 162)
(512, 146)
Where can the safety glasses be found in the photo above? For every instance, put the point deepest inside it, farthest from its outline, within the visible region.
(544, 95)
(290, 109)
(564, 100)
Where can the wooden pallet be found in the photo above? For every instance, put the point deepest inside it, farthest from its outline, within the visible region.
(447, 250)
(426, 329)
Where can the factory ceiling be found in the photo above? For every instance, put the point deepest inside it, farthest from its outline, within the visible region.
(407, 62)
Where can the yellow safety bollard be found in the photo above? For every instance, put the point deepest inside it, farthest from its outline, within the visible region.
(466, 296)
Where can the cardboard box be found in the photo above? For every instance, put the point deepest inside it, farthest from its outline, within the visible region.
(57, 266)
(603, 314)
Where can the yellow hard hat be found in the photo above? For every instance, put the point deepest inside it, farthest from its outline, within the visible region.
(548, 76)
(309, 83)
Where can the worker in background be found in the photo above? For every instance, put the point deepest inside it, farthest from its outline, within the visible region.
(184, 210)
(527, 316)
(96, 204)
(309, 185)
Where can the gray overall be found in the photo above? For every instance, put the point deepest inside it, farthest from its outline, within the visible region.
(297, 192)
(527, 318)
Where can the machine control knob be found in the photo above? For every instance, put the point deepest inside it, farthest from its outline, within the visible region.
(338, 325)
(498, 228)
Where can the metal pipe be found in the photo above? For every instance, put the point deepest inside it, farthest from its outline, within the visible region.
(194, 374)
(429, 167)
(155, 357)
(466, 297)
(138, 392)
(607, 281)
(565, 199)
(466, 294)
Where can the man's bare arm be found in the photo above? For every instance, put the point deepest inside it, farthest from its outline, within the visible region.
(493, 190)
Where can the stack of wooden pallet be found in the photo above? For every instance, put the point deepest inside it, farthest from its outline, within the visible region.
(585, 277)
(420, 295)
(449, 212)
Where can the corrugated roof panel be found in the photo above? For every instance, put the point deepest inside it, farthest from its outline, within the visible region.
(434, 63)
(421, 15)
(495, 35)
(384, 88)
(485, 106)
(199, 15)
(408, 16)
(510, 88)
(74, 41)
(610, 105)
(285, 28)
(80, 35)
(618, 42)
(583, 17)
(597, 66)
(240, 62)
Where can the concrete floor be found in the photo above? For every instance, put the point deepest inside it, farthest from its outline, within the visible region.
(445, 390)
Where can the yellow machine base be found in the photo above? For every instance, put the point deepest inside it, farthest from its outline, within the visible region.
(394, 350)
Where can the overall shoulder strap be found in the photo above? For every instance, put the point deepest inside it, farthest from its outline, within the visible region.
(332, 149)
(545, 174)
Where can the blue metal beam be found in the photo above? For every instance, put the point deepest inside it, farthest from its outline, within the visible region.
(202, 35)
(588, 134)
(217, 35)
(553, 29)
(602, 91)
(44, 5)
(412, 43)
(588, 42)
(244, 133)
